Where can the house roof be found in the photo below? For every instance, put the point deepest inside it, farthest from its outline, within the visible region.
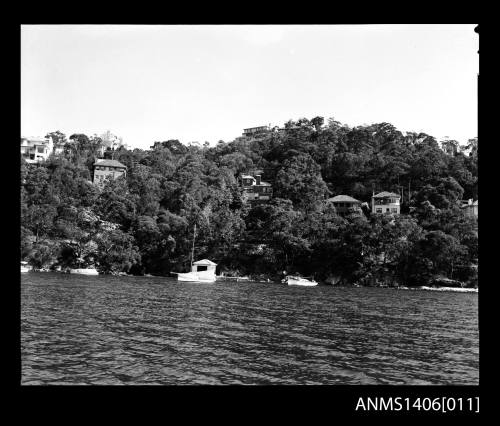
(109, 163)
(343, 198)
(205, 262)
(247, 177)
(384, 194)
(36, 139)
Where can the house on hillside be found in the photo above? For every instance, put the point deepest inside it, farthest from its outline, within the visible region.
(344, 205)
(450, 147)
(386, 202)
(256, 131)
(254, 188)
(105, 168)
(36, 149)
(470, 207)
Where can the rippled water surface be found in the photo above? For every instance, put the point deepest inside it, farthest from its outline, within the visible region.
(139, 330)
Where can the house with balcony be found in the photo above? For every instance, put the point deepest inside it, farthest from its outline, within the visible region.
(386, 202)
(105, 168)
(254, 188)
(346, 205)
(256, 131)
(36, 149)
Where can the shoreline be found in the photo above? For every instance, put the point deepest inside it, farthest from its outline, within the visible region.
(451, 289)
(245, 279)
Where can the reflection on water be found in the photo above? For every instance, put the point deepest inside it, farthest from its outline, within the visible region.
(138, 330)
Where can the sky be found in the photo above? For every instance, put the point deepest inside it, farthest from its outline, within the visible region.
(208, 83)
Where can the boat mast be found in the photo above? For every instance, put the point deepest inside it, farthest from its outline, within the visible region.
(192, 250)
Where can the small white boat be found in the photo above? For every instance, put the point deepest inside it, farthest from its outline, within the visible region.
(296, 280)
(202, 271)
(230, 278)
(24, 267)
(84, 271)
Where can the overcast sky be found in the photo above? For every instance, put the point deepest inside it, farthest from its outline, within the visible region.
(207, 83)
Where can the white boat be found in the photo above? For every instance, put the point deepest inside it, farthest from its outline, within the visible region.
(296, 280)
(84, 271)
(24, 267)
(202, 271)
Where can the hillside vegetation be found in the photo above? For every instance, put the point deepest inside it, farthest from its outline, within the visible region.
(144, 223)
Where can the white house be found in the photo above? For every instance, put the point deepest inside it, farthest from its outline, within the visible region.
(386, 202)
(36, 149)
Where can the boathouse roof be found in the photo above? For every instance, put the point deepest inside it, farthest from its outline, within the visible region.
(205, 262)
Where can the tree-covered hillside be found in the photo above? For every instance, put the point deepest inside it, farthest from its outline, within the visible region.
(144, 223)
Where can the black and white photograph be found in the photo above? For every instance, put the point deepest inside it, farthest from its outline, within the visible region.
(249, 205)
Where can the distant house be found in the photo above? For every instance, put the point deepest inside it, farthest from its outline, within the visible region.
(36, 149)
(255, 189)
(255, 131)
(470, 207)
(386, 202)
(345, 205)
(450, 147)
(105, 168)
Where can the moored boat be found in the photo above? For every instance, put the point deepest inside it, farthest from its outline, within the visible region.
(296, 280)
(231, 278)
(84, 271)
(201, 271)
(25, 267)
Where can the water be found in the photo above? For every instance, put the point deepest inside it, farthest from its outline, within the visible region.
(139, 330)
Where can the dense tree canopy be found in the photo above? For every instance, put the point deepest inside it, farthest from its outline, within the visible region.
(144, 222)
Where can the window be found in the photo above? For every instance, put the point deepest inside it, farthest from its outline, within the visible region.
(394, 210)
(387, 210)
(40, 149)
(379, 210)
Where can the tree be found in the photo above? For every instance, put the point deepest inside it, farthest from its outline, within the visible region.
(116, 204)
(317, 122)
(442, 194)
(43, 254)
(26, 242)
(300, 181)
(388, 245)
(39, 219)
(174, 146)
(435, 254)
(116, 252)
(58, 138)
